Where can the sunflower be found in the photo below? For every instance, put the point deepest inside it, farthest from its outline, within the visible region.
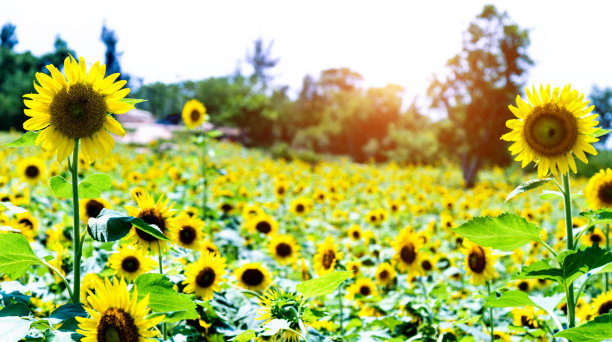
(89, 283)
(598, 191)
(278, 304)
(31, 170)
(76, 107)
(385, 274)
(478, 263)
(407, 255)
(550, 128)
(263, 224)
(595, 236)
(137, 192)
(209, 246)
(300, 206)
(91, 208)
(188, 231)
(355, 267)
(602, 304)
(326, 258)
(304, 270)
(363, 286)
(354, 232)
(525, 317)
(153, 213)
(194, 113)
(283, 248)
(115, 315)
(129, 262)
(204, 276)
(26, 223)
(253, 276)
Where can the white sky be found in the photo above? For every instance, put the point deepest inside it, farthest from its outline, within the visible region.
(402, 42)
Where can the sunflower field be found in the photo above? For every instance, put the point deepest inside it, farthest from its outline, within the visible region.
(193, 239)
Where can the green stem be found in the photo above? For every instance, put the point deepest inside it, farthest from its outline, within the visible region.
(159, 255)
(61, 276)
(205, 187)
(567, 202)
(491, 322)
(549, 248)
(76, 231)
(607, 249)
(340, 313)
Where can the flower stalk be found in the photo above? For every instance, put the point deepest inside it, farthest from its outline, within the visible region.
(569, 288)
(76, 231)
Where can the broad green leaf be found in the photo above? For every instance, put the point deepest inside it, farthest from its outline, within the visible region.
(599, 216)
(18, 310)
(164, 299)
(311, 315)
(274, 326)
(599, 132)
(14, 328)
(132, 101)
(583, 261)
(27, 139)
(505, 232)
(547, 195)
(322, 286)
(93, 185)
(528, 185)
(66, 312)
(16, 255)
(214, 133)
(245, 336)
(509, 299)
(152, 230)
(541, 270)
(61, 187)
(598, 329)
(112, 225)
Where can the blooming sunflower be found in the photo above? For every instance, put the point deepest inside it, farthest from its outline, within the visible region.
(525, 317)
(263, 224)
(209, 246)
(89, 283)
(188, 231)
(602, 304)
(327, 257)
(363, 286)
(153, 213)
(91, 208)
(278, 304)
(354, 232)
(478, 263)
(194, 113)
(27, 224)
(407, 255)
(385, 274)
(115, 315)
(204, 276)
(598, 191)
(595, 236)
(31, 170)
(129, 262)
(300, 206)
(283, 248)
(253, 276)
(550, 128)
(76, 107)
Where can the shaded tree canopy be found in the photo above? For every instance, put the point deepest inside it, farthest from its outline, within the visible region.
(260, 59)
(8, 36)
(601, 98)
(109, 38)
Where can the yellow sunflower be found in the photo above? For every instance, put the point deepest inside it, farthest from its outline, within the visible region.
(354, 267)
(129, 262)
(204, 276)
(194, 113)
(76, 107)
(598, 191)
(300, 206)
(407, 256)
(31, 170)
(525, 317)
(550, 128)
(274, 305)
(263, 224)
(91, 208)
(354, 232)
(478, 263)
(385, 274)
(153, 213)
(115, 315)
(327, 257)
(363, 286)
(209, 246)
(602, 304)
(595, 236)
(188, 232)
(253, 276)
(89, 283)
(283, 248)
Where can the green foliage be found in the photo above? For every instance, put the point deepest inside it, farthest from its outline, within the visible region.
(16, 255)
(93, 185)
(163, 299)
(26, 140)
(505, 232)
(598, 329)
(528, 185)
(602, 160)
(60, 187)
(322, 286)
(112, 225)
(598, 216)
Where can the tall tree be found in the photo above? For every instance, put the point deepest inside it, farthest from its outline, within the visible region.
(109, 38)
(601, 98)
(8, 36)
(260, 59)
(483, 79)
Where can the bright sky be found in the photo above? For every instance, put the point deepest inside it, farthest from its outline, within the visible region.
(402, 42)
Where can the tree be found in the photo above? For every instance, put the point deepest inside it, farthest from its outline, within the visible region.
(602, 100)
(109, 38)
(8, 36)
(483, 79)
(261, 61)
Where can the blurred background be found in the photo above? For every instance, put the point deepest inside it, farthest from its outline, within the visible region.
(410, 82)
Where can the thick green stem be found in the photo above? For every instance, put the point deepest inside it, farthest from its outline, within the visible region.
(205, 187)
(159, 254)
(491, 314)
(340, 313)
(76, 231)
(567, 202)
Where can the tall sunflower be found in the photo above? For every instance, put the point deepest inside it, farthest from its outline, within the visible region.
(478, 263)
(31, 170)
(598, 191)
(385, 274)
(278, 304)
(188, 231)
(551, 129)
(327, 257)
(407, 256)
(364, 287)
(204, 276)
(129, 262)
(253, 276)
(115, 315)
(263, 224)
(157, 213)
(194, 113)
(283, 248)
(602, 304)
(76, 107)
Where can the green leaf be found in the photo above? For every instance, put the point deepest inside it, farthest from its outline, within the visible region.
(245, 336)
(61, 187)
(311, 315)
(322, 286)
(509, 299)
(274, 326)
(541, 270)
(599, 132)
(67, 311)
(18, 309)
(93, 185)
(583, 261)
(528, 185)
(505, 232)
(547, 195)
(16, 255)
(214, 133)
(112, 225)
(152, 230)
(164, 299)
(598, 216)
(27, 139)
(14, 328)
(596, 330)
(132, 101)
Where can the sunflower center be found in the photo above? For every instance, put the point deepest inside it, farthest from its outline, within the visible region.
(551, 130)
(263, 227)
(206, 277)
(299, 208)
(32, 171)
(280, 190)
(283, 249)
(604, 308)
(130, 264)
(77, 111)
(356, 234)
(150, 216)
(365, 290)
(26, 222)
(93, 208)
(595, 238)
(523, 286)
(226, 207)
(605, 193)
(408, 254)
(252, 277)
(384, 275)
(195, 115)
(187, 235)
(476, 260)
(328, 258)
(426, 265)
(116, 325)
